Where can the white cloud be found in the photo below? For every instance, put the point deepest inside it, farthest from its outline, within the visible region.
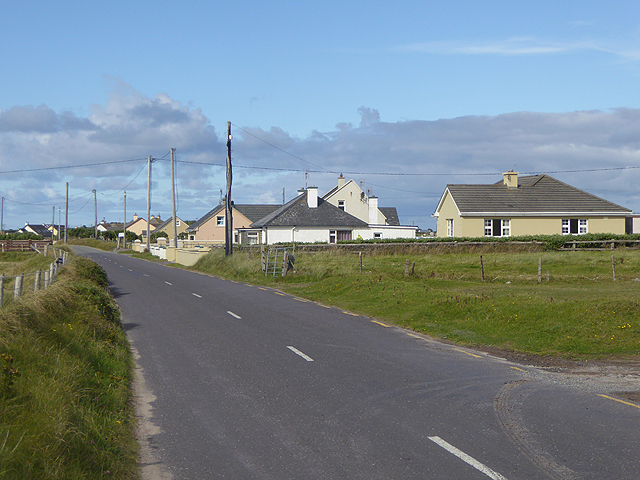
(406, 164)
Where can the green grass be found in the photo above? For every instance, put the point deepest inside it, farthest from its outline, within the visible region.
(580, 312)
(92, 242)
(65, 398)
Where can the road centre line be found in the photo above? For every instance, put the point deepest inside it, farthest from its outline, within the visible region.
(470, 354)
(234, 315)
(617, 400)
(468, 459)
(298, 352)
(168, 283)
(196, 295)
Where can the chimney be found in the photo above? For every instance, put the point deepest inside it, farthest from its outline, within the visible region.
(312, 197)
(301, 191)
(341, 181)
(135, 217)
(373, 210)
(511, 179)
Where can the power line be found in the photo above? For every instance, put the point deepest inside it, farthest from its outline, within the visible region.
(69, 166)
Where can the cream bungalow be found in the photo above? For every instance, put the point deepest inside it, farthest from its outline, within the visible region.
(528, 205)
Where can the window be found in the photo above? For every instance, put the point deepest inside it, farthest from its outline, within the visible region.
(252, 238)
(377, 234)
(574, 226)
(341, 204)
(332, 236)
(220, 221)
(449, 227)
(344, 234)
(178, 222)
(497, 227)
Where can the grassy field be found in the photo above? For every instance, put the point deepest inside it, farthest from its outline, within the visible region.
(65, 398)
(579, 312)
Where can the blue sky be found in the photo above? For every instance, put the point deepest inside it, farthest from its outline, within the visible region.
(431, 92)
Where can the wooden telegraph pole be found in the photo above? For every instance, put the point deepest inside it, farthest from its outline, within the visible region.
(173, 196)
(95, 208)
(228, 224)
(149, 204)
(124, 224)
(66, 214)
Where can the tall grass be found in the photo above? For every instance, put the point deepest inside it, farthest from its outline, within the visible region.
(579, 312)
(65, 403)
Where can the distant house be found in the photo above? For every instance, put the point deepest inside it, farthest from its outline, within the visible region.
(45, 231)
(529, 205)
(211, 227)
(308, 219)
(167, 226)
(138, 225)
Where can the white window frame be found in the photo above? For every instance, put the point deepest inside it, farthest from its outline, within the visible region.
(341, 204)
(377, 234)
(505, 227)
(220, 221)
(332, 236)
(582, 227)
(449, 227)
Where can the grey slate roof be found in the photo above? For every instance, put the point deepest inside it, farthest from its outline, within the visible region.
(252, 212)
(391, 214)
(536, 194)
(296, 213)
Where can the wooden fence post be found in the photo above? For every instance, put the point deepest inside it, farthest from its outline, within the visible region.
(613, 264)
(413, 268)
(540, 270)
(406, 267)
(36, 282)
(482, 267)
(1, 289)
(360, 255)
(46, 279)
(17, 289)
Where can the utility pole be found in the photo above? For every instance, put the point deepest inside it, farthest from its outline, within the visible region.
(124, 224)
(95, 208)
(149, 206)
(59, 222)
(173, 196)
(228, 224)
(2, 217)
(66, 214)
(53, 221)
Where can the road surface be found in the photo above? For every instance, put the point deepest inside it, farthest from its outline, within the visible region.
(244, 382)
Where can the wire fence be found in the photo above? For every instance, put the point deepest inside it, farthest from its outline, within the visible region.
(13, 287)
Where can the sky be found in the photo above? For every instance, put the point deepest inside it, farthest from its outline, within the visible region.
(403, 97)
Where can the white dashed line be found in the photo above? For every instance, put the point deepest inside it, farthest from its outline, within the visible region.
(468, 459)
(196, 295)
(298, 352)
(168, 283)
(234, 315)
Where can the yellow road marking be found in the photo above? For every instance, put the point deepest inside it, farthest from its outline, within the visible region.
(471, 354)
(262, 288)
(618, 400)
(281, 294)
(300, 299)
(519, 369)
(380, 323)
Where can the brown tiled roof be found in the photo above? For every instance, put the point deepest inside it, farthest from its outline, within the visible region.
(536, 194)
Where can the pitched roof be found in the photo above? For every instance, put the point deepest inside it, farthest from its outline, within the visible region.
(535, 194)
(297, 213)
(391, 215)
(252, 212)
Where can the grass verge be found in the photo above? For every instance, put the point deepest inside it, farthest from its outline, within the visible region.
(65, 398)
(577, 312)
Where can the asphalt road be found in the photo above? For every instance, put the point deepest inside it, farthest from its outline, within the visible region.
(243, 382)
